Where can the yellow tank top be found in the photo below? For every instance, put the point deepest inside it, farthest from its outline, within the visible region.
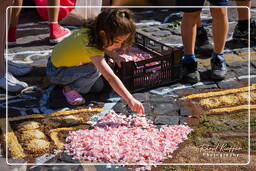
(74, 51)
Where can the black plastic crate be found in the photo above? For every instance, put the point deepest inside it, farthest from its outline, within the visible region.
(150, 73)
(152, 44)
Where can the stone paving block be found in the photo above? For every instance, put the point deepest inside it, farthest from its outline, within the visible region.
(148, 108)
(231, 74)
(241, 72)
(172, 40)
(166, 108)
(246, 80)
(119, 107)
(183, 120)
(156, 99)
(229, 84)
(12, 167)
(185, 91)
(206, 86)
(166, 120)
(253, 80)
(112, 168)
(184, 110)
(142, 97)
(253, 63)
(63, 167)
(238, 64)
(252, 71)
(151, 29)
(161, 34)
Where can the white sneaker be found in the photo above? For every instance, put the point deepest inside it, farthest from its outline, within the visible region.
(13, 84)
(18, 69)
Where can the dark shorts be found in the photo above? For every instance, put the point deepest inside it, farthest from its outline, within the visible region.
(199, 3)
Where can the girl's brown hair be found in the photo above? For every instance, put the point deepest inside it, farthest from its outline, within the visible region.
(114, 22)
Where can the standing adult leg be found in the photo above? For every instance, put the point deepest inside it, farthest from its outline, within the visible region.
(241, 29)
(219, 30)
(13, 84)
(188, 33)
(57, 32)
(14, 22)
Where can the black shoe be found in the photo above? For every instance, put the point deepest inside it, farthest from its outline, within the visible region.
(240, 34)
(202, 41)
(219, 68)
(190, 72)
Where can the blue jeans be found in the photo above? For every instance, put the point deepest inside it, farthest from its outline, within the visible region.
(84, 78)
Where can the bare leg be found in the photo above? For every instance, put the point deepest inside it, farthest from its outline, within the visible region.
(188, 30)
(16, 13)
(53, 13)
(219, 28)
(3, 5)
(199, 24)
(243, 12)
(57, 33)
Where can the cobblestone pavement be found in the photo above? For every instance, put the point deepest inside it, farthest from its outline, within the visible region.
(162, 104)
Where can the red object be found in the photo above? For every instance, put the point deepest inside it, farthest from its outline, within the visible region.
(57, 33)
(43, 12)
(12, 34)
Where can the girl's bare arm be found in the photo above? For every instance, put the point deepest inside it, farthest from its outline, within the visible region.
(116, 83)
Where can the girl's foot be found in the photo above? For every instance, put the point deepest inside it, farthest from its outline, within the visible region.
(73, 97)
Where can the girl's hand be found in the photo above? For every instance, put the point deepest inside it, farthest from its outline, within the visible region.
(115, 55)
(136, 106)
(118, 60)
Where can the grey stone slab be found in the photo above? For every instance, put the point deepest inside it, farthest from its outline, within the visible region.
(157, 99)
(231, 74)
(38, 168)
(253, 63)
(119, 107)
(185, 91)
(151, 29)
(172, 40)
(148, 108)
(238, 65)
(183, 120)
(112, 168)
(241, 72)
(143, 97)
(161, 34)
(166, 108)
(229, 84)
(207, 86)
(246, 80)
(67, 159)
(63, 168)
(164, 27)
(252, 71)
(166, 120)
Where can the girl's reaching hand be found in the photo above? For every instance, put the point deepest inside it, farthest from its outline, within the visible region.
(136, 106)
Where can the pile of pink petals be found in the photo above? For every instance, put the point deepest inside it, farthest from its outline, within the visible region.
(133, 54)
(120, 139)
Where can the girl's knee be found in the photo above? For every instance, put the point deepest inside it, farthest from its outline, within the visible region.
(98, 86)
